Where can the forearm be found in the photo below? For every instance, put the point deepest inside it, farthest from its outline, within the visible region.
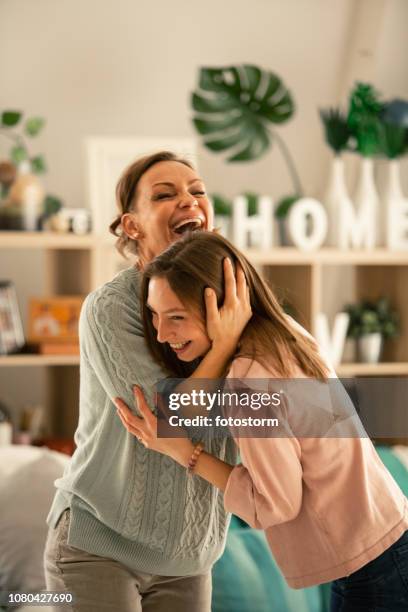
(215, 362)
(212, 469)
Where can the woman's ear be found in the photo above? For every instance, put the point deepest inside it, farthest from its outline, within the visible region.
(131, 227)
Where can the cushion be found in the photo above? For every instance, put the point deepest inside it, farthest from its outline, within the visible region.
(246, 578)
(27, 476)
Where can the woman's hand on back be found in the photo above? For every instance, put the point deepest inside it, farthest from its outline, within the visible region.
(226, 324)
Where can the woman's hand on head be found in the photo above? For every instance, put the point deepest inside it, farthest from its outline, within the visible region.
(144, 428)
(226, 324)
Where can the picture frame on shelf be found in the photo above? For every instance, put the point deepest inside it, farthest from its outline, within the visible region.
(53, 324)
(107, 157)
(12, 337)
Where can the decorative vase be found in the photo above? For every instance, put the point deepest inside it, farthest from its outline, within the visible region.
(369, 348)
(395, 206)
(366, 201)
(28, 193)
(336, 193)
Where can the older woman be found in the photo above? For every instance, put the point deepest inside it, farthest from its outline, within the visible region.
(129, 530)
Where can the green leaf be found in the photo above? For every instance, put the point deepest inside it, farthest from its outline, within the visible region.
(364, 119)
(284, 205)
(393, 140)
(34, 125)
(18, 154)
(368, 317)
(222, 206)
(52, 205)
(337, 131)
(252, 200)
(10, 118)
(38, 165)
(244, 99)
(205, 126)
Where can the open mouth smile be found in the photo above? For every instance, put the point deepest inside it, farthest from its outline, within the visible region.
(179, 347)
(189, 224)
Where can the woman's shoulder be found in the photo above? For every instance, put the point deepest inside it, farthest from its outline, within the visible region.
(255, 367)
(123, 287)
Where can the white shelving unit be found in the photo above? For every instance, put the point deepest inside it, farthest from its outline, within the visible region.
(76, 265)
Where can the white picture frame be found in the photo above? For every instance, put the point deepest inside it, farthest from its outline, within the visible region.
(107, 157)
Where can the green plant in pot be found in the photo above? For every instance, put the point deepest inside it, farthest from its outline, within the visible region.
(18, 210)
(236, 111)
(371, 322)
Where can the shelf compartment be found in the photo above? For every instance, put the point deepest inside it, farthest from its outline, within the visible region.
(346, 370)
(38, 360)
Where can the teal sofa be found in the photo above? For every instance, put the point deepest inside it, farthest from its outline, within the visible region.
(247, 579)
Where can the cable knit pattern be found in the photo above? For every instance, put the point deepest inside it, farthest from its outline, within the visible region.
(199, 506)
(164, 502)
(129, 503)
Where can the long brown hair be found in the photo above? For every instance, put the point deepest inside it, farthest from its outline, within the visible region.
(126, 191)
(195, 262)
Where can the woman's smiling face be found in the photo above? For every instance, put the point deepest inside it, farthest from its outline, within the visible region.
(181, 328)
(170, 199)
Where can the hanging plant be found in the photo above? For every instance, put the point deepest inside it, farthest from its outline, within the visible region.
(236, 107)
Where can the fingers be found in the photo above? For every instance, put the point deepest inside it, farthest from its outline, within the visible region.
(229, 282)
(128, 416)
(211, 307)
(142, 405)
(241, 283)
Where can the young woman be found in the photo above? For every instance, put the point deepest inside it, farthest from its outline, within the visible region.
(330, 509)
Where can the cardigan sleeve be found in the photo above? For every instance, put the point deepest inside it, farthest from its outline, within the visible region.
(113, 345)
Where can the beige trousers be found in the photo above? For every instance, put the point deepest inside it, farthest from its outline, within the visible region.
(100, 584)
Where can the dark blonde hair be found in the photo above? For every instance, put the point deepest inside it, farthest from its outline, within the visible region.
(195, 262)
(126, 194)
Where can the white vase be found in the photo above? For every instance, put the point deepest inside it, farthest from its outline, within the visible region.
(366, 202)
(395, 206)
(369, 348)
(336, 193)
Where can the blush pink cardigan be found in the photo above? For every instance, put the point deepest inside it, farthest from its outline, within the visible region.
(328, 506)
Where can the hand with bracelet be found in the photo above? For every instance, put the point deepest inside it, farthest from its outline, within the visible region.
(181, 449)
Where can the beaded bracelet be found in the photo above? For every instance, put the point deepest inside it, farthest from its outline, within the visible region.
(198, 449)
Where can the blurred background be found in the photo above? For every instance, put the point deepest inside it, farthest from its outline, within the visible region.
(88, 86)
(125, 70)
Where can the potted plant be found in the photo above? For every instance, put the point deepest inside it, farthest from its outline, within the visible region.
(235, 109)
(24, 204)
(337, 135)
(394, 144)
(370, 323)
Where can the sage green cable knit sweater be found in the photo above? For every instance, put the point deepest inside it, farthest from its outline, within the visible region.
(127, 502)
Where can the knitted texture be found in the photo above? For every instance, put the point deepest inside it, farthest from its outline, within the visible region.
(128, 502)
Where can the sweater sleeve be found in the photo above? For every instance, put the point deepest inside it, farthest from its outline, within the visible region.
(113, 345)
(267, 488)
